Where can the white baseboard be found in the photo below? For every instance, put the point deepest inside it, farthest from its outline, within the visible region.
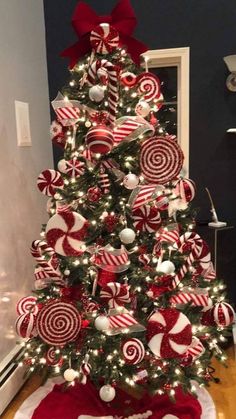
(11, 377)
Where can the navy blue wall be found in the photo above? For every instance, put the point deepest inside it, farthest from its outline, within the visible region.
(209, 28)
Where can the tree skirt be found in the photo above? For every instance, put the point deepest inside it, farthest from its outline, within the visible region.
(83, 402)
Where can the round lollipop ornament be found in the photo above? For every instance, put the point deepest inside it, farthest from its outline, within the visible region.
(169, 333)
(49, 181)
(160, 160)
(104, 38)
(65, 233)
(133, 351)
(149, 86)
(27, 305)
(99, 139)
(58, 323)
(52, 358)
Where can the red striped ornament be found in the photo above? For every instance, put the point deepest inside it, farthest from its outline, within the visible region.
(115, 294)
(129, 128)
(65, 233)
(223, 314)
(67, 115)
(113, 91)
(149, 86)
(146, 219)
(169, 333)
(52, 358)
(185, 188)
(168, 236)
(196, 349)
(27, 305)
(74, 168)
(104, 181)
(58, 323)
(104, 38)
(99, 139)
(25, 325)
(48, 269)
(85, 370)
(133, 351)
(49, 181)
(144, 194)
(121, 320)
(160, 160)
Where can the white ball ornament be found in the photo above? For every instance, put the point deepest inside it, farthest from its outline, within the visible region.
(127, 236)
(61, 165)
(167, 267)
(102, 323)
(96, 93)
(70, 374)
(142, 108)
(107, 393)
(130, 181)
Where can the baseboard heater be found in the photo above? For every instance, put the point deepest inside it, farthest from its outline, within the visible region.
(11, 377)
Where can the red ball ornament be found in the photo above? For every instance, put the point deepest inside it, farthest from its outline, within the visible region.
(223, 314)
(25, 325)
(185, 188)
(94, 194)
(99, 139)
(128, 79)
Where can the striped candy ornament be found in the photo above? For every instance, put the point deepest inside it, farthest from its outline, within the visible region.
(223, 314)
(58, 323)
(129, 128)
(52, 358)
(27, 305)
(113, 94)
(160, 160)
(49, 181)
(115, 294)
(122, 320)
(104, 181)
(196, 299)
(47, 268)
(67, 115)
(25, 325)
(99, 139)
(104, 38)
(146, 219)
(144, 194)
(133, 351)
(185, 188)
(85, 370)
(74, 168)
(149, 86)
(65, 233)
(168, 236)
(114, 260)
(196, 349)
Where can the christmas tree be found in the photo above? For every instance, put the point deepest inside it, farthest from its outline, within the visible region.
(125, 290)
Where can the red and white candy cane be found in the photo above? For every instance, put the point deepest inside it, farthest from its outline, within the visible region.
(48, 268)
(85, 370)
(104, 181)
(112, 72)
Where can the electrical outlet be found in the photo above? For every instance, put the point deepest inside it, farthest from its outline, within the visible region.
(22, 124)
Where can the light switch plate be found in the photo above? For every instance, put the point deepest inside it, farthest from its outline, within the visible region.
(22, 124)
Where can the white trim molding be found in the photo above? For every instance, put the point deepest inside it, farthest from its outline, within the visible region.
(180, 58)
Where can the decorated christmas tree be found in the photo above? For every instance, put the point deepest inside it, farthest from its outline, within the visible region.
(125, 292)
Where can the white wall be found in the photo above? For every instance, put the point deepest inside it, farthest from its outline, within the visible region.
(23, 76)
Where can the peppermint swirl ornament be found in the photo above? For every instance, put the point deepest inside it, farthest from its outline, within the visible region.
(52, 358)
(160, 160)
(65, 233)
(147, 219)
(48, 181)
(58, 323)
(104, 38)
(74, 168)
(27, 305)
(149, 86)
(133, 351)
(169, 333)
(115, 294)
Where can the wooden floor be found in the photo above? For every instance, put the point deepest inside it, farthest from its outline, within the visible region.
(223, 394)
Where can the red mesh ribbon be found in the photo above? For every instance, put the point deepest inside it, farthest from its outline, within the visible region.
(85, 19)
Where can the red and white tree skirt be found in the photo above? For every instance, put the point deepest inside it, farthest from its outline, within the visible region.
(52, 402)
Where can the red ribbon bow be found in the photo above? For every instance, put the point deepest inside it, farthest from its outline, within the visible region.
(85, 19)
